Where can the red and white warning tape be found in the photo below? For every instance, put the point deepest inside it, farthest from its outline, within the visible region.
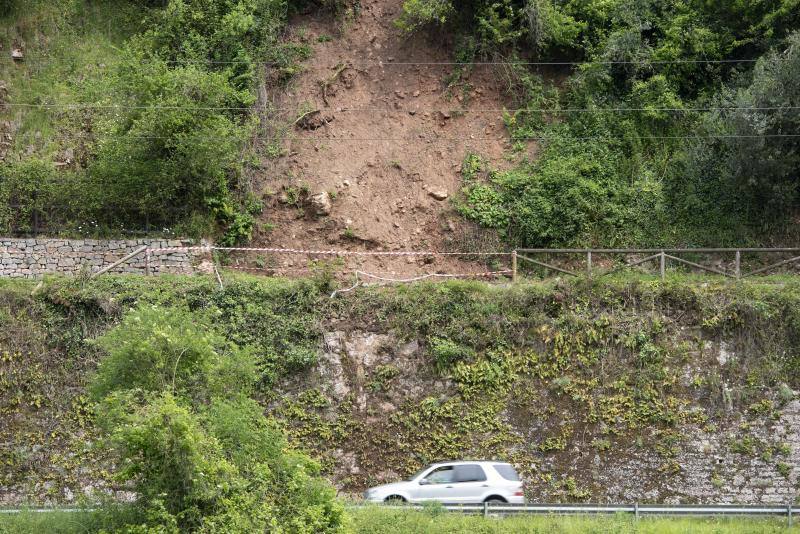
(326, 252)
(433, 275)
(375, 276)
(268, 270)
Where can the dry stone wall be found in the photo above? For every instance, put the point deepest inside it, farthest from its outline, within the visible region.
(33, 258)
(703, 466)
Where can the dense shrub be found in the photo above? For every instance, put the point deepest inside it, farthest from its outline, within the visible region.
(171, 154)
(170, 150)
(172, 401)
(420, 13)
(742, 176)
(27, 188)
(614, 168)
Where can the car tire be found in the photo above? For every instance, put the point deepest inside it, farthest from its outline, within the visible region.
(394, 499)
(495, 500)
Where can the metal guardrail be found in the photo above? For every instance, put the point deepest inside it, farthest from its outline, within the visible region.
(637, 510)
(659, 254)
(487, 509)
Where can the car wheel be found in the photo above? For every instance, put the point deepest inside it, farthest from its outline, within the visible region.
(394, 499)
(495, 500)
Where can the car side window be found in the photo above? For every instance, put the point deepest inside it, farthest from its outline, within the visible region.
(441, 475)
(469, 473)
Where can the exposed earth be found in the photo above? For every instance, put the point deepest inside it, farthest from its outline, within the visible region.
(377, 132)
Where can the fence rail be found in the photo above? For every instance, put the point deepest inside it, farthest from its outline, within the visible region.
(587, 262)
(661, 255)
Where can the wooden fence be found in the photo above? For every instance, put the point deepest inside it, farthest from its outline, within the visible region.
(660, 256)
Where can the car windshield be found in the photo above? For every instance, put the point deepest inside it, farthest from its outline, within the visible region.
(418, 473)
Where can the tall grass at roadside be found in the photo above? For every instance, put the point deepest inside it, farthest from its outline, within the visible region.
(376, 520)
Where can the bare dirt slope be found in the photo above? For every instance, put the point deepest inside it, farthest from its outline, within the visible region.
(382, 142)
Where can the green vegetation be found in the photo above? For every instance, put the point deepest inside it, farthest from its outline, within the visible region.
(434, 521)
(615, 167)
(528, 373)
(165, 91)
(162, 116)
(174, 407)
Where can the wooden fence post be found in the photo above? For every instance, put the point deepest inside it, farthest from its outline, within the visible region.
(738, 264)
(514, 266)
(663, 264)
(589, 263)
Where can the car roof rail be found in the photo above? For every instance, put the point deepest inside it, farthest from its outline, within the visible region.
(470, 461)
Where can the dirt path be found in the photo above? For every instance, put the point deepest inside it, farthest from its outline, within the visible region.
(386, 149)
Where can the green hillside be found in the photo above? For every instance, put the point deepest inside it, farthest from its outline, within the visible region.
(559, 378)
(657, 123)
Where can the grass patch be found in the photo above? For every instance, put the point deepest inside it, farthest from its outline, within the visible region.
(434, 521)
(69, 46)
(371, 520)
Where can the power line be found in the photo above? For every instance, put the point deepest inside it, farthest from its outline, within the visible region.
(387, 62)
(405, 111)
(403, 139)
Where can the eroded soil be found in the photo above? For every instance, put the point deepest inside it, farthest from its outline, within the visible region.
(377, 126)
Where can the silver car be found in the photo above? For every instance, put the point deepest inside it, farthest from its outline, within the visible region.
(455, 482)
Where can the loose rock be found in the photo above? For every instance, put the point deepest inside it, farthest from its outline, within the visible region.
(321, 204)
(438, 194)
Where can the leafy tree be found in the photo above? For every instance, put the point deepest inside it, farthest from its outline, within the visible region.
(28, 187)
(743, 175)
(172, 402)
(170, 148)
(613, 163)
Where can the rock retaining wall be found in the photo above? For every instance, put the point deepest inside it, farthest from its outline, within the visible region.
(32, 258)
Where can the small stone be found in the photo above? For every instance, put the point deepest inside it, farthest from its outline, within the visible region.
(438, 194)
(416, 94)
(321, 203)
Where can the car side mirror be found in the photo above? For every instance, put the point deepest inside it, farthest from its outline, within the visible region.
(424, 482)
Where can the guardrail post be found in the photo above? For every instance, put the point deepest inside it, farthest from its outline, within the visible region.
(636, 510)
(662, 264)
(789, 514)
(514, 266)
(485, 509)
(589, 263)
(738, 264)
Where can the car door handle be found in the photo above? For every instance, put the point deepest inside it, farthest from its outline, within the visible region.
(484, 485)
(451, 487)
